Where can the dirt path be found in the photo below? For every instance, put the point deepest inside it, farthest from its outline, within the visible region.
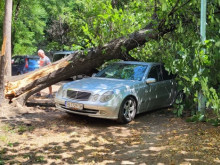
(43, 135)
(47, 136)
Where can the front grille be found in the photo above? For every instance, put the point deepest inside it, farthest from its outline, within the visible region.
(78, 95)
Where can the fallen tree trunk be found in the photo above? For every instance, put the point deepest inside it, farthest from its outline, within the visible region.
(22, 87)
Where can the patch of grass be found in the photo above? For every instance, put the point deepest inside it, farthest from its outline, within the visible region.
(21, 129)
(214, 122)
(3, 151)
(27, 156)
(1, 160)
(3, 138)
(10, 144)
(8, 128)
(36, 159)
(17, 129)
(39, 159)
(13, 144)
(55, 157)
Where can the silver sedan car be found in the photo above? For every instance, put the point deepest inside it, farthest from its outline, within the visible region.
(119, 92)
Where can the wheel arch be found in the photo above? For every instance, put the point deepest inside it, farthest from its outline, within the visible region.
(134, 97)
(121, 118)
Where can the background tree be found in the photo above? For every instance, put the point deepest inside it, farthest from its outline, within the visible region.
(5, 57)
(28, 26)
(7, 35)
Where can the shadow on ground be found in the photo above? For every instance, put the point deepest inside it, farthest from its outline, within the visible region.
(53, 137)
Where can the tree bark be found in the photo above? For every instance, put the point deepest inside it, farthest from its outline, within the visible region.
(5, 57)
(2, 73)
(7, 33)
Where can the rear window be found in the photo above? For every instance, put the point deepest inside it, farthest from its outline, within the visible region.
(18, 60)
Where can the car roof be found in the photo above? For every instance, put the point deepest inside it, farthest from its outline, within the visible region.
(64, 52)
(138, 62)
(26, 56)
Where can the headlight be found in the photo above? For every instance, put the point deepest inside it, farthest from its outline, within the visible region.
(107, 96)
(94, 97)
(64, 93)
(61, 92)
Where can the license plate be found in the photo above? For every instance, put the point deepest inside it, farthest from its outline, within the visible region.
(74, 106)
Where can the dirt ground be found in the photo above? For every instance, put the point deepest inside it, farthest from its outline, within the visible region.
(40, 134)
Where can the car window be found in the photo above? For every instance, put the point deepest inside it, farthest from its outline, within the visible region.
(156, 73)
(166, 75)
(18, 60)
(123, 71)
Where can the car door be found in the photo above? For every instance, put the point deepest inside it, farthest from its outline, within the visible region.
(156, 95)
(170, 86)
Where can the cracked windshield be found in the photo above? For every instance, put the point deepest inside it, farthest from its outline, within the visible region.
(124, 71)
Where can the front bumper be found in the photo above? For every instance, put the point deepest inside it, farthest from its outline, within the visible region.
(108, 110)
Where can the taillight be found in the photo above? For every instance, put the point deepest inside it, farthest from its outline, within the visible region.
(26, 63)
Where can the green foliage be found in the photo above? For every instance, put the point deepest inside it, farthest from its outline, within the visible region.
(1, 161)
(1, 19)
(212, 98)
(2, 151)
(101, 22)
(196, 118)
(214, 122)
(196, 67)
(21, 129)
(28, 26)
(195, 64)
(178, 109)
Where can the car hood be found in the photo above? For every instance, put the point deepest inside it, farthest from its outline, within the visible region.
(93, 84)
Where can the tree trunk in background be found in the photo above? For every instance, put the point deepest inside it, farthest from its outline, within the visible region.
(2, 73)
(5, 57)
(7, 34)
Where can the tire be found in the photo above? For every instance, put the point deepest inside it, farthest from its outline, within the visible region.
(127, 110)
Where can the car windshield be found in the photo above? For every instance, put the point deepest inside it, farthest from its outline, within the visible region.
(123, 71)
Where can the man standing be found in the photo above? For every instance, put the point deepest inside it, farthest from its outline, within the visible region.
(44, 60)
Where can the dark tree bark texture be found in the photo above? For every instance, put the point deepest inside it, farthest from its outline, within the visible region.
(2, 78)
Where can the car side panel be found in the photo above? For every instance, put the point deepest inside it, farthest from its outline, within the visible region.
(169, 88)
(162, 96)
(153, 95)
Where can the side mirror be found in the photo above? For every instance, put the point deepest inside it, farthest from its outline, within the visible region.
(150, 80)
(94, 74)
